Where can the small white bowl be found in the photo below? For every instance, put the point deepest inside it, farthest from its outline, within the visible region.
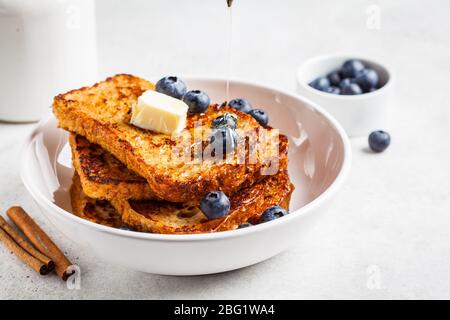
(358, 114)
(319, 160)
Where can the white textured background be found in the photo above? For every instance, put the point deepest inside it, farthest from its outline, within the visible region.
(391, 221)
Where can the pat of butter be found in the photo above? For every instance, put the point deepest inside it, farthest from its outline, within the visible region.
(159, 112)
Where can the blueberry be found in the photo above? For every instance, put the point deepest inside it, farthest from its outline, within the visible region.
(321, 83)
(241, 105)
(379, 140)
(333, 90)
(334, 78)
(172, 86)
(351, 89)
(244, 225)
(346, 82)
(125, 227)
(227, 119)
(272, 213)
(351, 68)
(261, 116)
(215, 205)
(367, 79)
(197, 101)
(224, 140)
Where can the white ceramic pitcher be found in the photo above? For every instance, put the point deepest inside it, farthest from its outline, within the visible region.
(46, 47)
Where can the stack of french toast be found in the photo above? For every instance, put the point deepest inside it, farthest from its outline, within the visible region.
(131, 178)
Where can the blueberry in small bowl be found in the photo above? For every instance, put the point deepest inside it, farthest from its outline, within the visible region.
(334, 78)
(356, 90)
(352, 78)
(172, 86)
(351, 68)
(367, 79)
(333, 90)
(351, 88)
(321, 83)
(346, 82)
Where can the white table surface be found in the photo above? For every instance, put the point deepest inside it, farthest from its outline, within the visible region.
(387, 234)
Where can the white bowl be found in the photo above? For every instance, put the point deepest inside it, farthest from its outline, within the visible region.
(358, 114)
(319, 160)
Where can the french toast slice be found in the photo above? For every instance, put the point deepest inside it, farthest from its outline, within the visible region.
(175, 218)
(102, 176)
(94, 210)
(102, 114)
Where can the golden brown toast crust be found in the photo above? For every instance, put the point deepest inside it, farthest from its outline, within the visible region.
(102, 176)
(98, 211)
(101, 113)
(173, 218)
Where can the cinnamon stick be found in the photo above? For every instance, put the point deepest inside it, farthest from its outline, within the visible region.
(40, 240)
(28, 259)
(25, 245)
